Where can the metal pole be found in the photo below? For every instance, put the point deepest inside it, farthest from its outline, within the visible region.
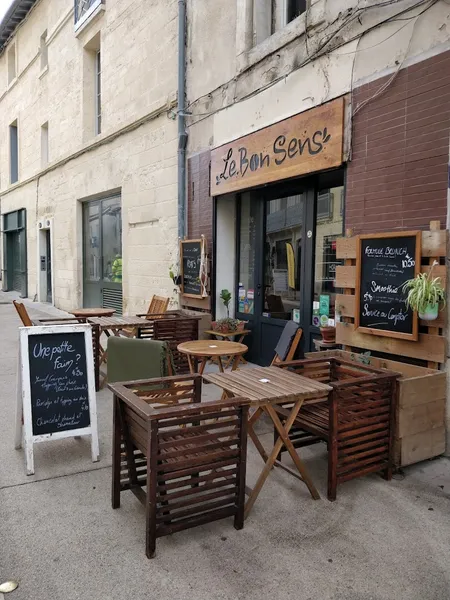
(182, 135)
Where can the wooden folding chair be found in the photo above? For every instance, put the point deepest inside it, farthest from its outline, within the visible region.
(288, 343)
(158, 305)
(23, 313)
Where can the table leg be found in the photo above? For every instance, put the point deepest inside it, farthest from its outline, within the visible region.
(219, 362)
(236, 361)
(202, 365)
(251, 432)
(284, 436)
(191, 365)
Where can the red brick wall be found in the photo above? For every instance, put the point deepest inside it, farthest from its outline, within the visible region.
(200, 213)
(398, 175)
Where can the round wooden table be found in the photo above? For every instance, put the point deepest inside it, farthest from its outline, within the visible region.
(212, 349)
(88, 313)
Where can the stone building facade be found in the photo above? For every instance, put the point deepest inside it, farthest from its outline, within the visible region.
(86, 111)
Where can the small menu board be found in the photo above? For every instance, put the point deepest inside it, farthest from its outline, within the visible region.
(57, 389)
(191, 258)
(384, 263)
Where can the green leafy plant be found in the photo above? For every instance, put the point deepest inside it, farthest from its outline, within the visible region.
(225, 296)
(424, 291)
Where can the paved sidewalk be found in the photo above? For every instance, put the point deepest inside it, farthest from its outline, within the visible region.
(61, 540)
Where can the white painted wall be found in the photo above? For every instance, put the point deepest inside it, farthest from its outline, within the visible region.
(226, 252)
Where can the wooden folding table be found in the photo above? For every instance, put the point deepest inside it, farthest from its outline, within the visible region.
(265, 387)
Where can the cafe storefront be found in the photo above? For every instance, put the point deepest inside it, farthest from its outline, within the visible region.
(279, 208)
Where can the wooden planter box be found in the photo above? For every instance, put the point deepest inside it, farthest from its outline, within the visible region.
(420, 410)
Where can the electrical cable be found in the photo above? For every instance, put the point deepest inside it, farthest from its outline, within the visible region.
(317, 54)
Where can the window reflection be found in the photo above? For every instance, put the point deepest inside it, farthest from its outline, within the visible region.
(330, 204)
(282, 257)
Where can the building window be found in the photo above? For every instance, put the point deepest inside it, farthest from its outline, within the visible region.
(294, 9)
(83, 9)
(44, 51)
(98, 94)
(44, 145)
(12, 73)
(270, 16)
(13, 153)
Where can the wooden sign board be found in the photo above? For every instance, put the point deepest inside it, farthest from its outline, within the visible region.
(308, 142)
(384, 262)
(191, 260)
(56, 391)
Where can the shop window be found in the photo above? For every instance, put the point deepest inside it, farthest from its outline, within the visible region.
(329, 227)
(247, 257)
(282, 256)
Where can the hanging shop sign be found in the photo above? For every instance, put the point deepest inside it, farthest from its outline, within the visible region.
(56, 392)
(385, 262)
(308, 142)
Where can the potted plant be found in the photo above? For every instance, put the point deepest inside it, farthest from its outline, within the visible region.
(174, 275)
(225, 296)
(227, 325)
(328, 334)
(425, 293)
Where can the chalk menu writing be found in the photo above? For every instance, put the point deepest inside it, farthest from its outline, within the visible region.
(191, 259)
(386, 263)
(58, 382)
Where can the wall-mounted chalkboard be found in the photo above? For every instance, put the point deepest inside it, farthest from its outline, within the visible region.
(384, 263)
(57, 386)
(191, 259)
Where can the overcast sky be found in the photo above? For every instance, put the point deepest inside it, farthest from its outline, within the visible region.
(4, 5)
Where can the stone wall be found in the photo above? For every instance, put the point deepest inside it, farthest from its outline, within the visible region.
(135, 154)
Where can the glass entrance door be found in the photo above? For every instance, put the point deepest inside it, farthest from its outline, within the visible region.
(270, 272)
(287, 260)
(102, 260)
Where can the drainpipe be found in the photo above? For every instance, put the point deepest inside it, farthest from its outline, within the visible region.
(182, 135)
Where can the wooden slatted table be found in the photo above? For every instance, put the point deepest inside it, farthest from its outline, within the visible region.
(265, 387)
(113, 326)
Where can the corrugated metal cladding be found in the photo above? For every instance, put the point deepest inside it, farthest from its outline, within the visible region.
(13, 17)
(398, 175)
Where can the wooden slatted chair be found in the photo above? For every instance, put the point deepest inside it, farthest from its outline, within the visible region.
(357, 421)
(158, 305)
(193, 470)
(23, 313)
(288, 343)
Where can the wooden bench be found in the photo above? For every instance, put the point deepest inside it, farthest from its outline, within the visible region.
(357, 421)
(190, 456)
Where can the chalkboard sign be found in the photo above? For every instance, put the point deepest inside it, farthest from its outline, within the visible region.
(384, 263)
(57, 389)
(191, 258)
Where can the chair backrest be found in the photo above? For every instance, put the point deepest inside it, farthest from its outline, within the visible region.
(134, 359)
(288, 342)
(23, 314)
(174, 332)
(158, 305)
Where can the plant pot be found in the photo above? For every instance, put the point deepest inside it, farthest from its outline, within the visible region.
(328, 334)
(431, 312)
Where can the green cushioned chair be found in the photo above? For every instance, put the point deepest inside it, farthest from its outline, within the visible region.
(130, 359)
